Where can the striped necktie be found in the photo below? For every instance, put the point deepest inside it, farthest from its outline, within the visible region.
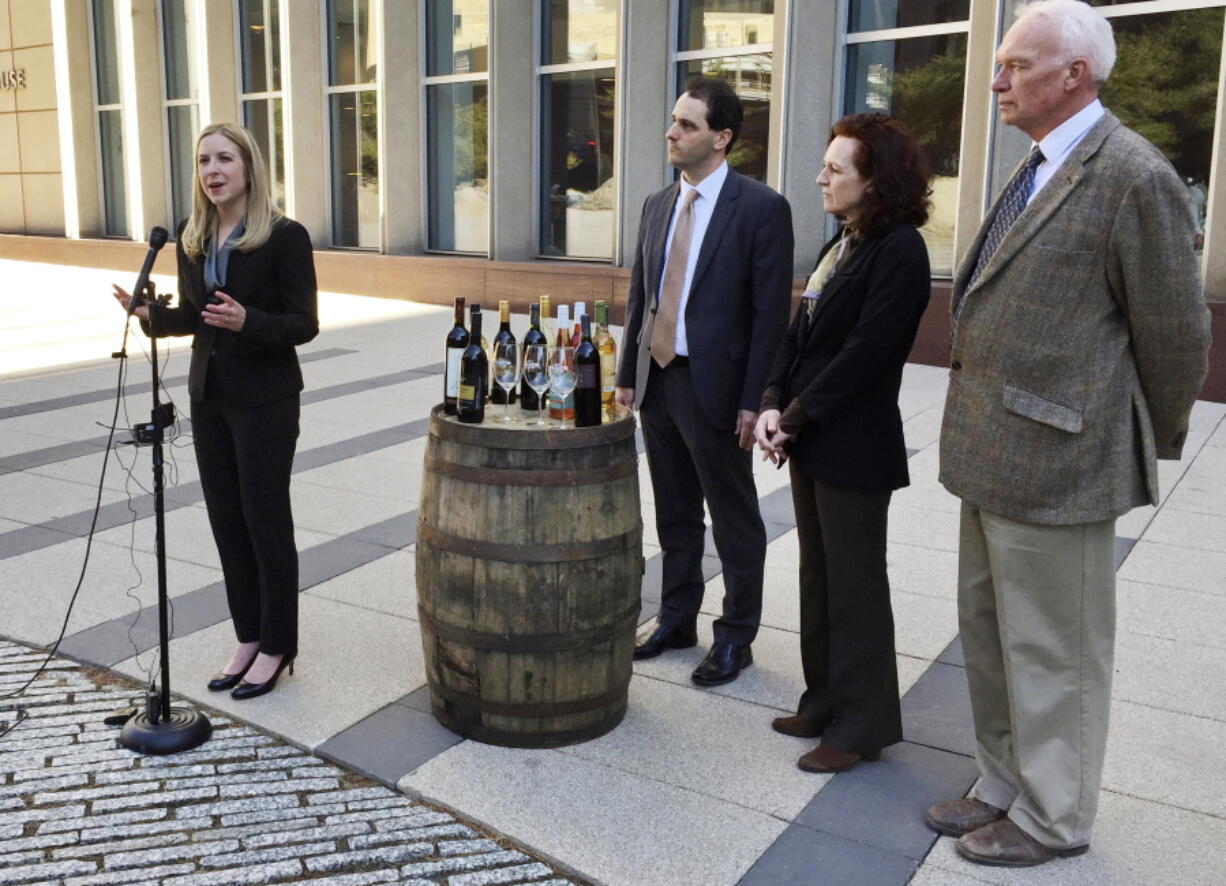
(1011, 206)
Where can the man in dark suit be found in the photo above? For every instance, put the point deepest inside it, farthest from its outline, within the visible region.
(707, 306)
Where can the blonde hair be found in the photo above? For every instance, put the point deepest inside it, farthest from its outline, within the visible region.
(261, 212)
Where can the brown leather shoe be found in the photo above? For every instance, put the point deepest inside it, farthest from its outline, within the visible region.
(824, 758)
(962, 816)
(1004, 844)
(801, 727)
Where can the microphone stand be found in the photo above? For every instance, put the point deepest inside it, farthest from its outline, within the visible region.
(161, 729)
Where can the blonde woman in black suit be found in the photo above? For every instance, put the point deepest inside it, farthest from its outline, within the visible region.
(247, 296)
(831, 407)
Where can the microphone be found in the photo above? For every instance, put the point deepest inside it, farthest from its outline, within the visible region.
(157, 239)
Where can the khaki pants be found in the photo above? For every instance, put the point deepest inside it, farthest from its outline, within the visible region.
(1036, 609)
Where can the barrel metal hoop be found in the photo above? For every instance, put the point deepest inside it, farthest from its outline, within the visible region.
(509, 739)
(563, 552)
(527, 477)
(487, 641)
(446, 428)
(529, 708)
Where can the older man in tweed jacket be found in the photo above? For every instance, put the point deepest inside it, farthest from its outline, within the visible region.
(1080, 344)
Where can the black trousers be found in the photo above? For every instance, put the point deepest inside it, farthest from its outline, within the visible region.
(245, 456)
(691, 461)
(846, 623)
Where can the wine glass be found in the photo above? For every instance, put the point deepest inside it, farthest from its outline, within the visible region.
(562, 375)
(506, 374)
(536, 374)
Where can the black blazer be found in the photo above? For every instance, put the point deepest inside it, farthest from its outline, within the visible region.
(844, 368)
(738, 304)
(276, 284)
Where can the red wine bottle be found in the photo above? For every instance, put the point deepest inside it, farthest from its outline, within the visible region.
(528, 398)
(457, 341)
(587, 367)
(503, 335)
(474, 375)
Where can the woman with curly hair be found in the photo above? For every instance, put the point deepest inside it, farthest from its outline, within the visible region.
(831, 410)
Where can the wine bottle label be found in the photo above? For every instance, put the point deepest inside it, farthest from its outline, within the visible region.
(587, 375)
(468, 392)
(452, 387)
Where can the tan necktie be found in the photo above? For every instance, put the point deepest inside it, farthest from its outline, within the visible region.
(664, 332)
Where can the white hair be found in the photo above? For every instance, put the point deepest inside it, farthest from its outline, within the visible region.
(1083, 33)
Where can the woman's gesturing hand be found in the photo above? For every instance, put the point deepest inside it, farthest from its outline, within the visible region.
(125, 298)
(226, 313)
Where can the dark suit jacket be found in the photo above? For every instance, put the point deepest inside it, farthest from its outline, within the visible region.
(276, 284)
(844, 367)
(738, 301)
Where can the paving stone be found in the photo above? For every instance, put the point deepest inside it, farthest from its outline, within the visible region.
(108, 849)
(273, 763)
(169, 853)
(103, 821)
(415, 818)
(265, 873)
(120, 832)
(160, 798)
(282, 813)
(54, 869)
(153, 875)
(399, 801)
(12, 859)
(464, 847)
(98, 769)
(13, 841)
(362, 879)
(325, 832)
(386, 854)
(265, 788)
(248, 804)
(261, 856)
(519, 873)
(62, 813)
(268, 828)
(347, 796)
(433, 832)
(462, 863)
(220, 781)
(155, 773)
(44, 798)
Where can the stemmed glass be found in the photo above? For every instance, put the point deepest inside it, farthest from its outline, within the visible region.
(562, 375)
(506, 374)
(536, 374)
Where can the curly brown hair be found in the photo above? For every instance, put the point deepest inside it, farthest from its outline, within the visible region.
(889, 159)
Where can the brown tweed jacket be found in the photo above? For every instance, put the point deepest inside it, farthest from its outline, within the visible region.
(1079, 351)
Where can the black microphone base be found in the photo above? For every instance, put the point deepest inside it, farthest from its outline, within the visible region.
(186, 729)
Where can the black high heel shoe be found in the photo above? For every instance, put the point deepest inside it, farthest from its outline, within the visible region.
(253, 690)
(221, 680)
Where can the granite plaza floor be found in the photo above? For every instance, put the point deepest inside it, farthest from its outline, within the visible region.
(693, 787)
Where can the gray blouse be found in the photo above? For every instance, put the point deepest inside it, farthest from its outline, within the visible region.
(216, 261)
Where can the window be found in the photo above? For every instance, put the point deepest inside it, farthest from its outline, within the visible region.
(108, 108)
(578, 96)
(353, 48)
(1165, 86)
(259, 23)
(733, 41)
(457, 125)
(909, 60)
(180, 64)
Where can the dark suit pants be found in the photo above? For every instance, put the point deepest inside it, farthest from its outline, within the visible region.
(846, 623)
(691, 461)
(245, 456)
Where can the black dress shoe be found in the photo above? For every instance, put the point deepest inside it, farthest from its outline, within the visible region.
(722, 665)
(252, 690)
(666, 637)
(222, 681)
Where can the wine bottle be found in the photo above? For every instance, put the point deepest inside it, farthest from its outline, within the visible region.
(587, 367)
(562, 409)
(608, 361)
(457, 341)
(474, 375)
(547, 325)
(497, 394)
(576, 334)
(527, 397)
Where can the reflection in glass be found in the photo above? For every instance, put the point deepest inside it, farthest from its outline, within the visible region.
(106, 54)
(457, 123)
(580, 31)
(1164, 85)
(457, 37)
(577, 164)
(919, 80)
(182, 125)
(355, 169)
(260, 27)
(177, 28)
(874, 15)
(353, 42)
(750, 77)
(263, 117)
(114, 197)
(719, 24)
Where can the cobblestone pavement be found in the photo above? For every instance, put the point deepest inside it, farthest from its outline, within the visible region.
(243, 808)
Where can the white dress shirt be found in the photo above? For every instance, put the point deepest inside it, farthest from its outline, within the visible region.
(1059, 143)
(704, 205)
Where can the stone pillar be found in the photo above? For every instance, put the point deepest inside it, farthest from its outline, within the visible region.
(220, 70)
(75, 110)
(303, 68)
(144, 120)
(1214, 263)
(513, 234)
(645, 103)
(400, 135)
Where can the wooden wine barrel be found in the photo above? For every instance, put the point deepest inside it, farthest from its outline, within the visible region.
(529, 561)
